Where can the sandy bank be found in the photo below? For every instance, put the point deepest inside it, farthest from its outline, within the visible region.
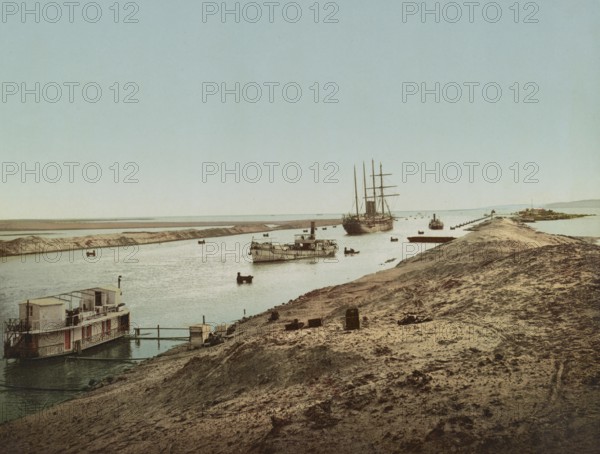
(39, 245)
(510, 362)
(52, 224)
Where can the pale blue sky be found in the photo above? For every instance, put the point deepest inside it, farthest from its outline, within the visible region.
(368, 54)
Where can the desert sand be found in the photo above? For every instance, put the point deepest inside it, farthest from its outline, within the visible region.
(508, 362)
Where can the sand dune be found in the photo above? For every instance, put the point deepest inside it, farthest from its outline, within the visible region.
(509, 362)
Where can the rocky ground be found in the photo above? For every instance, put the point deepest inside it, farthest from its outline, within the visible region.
(508, 361)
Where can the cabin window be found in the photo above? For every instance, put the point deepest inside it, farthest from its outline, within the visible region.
(30, 309)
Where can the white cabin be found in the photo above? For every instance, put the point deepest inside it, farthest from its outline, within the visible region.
(66, 323)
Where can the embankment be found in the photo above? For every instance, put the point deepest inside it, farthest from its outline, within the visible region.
(509, 361)
(33, 244)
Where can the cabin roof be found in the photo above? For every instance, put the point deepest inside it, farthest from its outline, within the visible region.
(48, 301)
(56, 299)
(108, 288)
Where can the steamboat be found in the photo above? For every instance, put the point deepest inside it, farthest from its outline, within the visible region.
(305, 246)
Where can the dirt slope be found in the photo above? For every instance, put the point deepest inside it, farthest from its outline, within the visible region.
(509, 362)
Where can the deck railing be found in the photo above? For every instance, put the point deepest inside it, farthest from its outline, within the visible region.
(102, 337)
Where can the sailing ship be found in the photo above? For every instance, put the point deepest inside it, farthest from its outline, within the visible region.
(305, 246)
(46, 327)
(436, 223)
(371, 220)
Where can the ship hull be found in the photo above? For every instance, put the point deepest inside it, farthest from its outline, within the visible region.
(274, 252)
(262, 256)
(355, 226)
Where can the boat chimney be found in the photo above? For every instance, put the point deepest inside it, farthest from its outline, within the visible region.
(434, 216)
(312, 230)
(119, 281)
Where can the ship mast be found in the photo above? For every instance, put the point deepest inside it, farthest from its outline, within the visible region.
(374, 193)
(365, 184)
(381, 189)
(355, 193)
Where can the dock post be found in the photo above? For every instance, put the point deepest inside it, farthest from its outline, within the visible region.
(158, 331)
(137, 332)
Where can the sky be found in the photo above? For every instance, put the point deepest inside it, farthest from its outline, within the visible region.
(191, 108)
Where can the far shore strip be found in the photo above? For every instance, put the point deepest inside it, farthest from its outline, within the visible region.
(36, 244)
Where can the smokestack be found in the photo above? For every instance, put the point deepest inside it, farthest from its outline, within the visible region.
(312, 230)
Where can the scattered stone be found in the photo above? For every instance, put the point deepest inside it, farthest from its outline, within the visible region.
(320, 415)
(410, 319)
(295, 325)
(417, 379)
(315, 322)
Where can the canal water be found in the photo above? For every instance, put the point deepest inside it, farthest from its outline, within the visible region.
(175, 285)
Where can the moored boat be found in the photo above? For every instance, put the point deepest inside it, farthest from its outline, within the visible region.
(303, 247)
(375, 218)
(436, 223)
(430, 239)
(66, 323)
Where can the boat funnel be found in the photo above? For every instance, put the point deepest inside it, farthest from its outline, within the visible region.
(312, 230)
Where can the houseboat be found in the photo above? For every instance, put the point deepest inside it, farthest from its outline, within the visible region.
(67, 323)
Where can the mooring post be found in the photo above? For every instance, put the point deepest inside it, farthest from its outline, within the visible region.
(158, 331)
(137, 332)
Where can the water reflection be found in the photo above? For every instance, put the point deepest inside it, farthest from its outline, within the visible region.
(178, 284)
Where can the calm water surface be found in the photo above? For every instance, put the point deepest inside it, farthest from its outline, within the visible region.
(175, 284)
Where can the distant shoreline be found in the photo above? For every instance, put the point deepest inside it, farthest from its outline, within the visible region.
(45, 224)
(37, 245)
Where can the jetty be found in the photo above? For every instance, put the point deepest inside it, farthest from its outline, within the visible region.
(487, 216)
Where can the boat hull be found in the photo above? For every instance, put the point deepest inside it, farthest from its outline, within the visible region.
(430, 239)
(354, 226)
(261, 255)
(49, 343)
